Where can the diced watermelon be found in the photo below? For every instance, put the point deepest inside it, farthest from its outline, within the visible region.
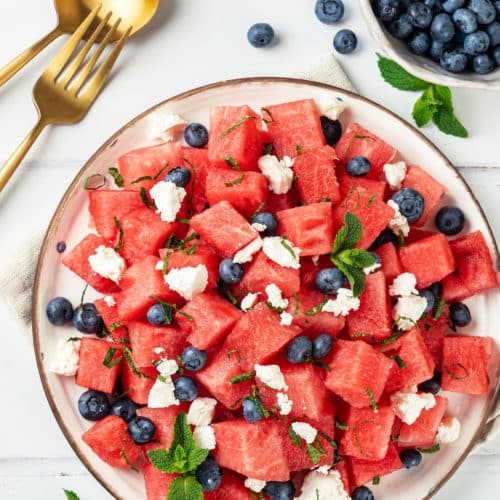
(308, 227)
(429, 259)
(137, 387)
(295, 127)
(374, 314)
(258, 336)
(433, 332)
(309, 268)
(430, 189)
(240, 445)
(109, 314)
(315, 170)
(368, 433)
(343, 469)
(224, 228)
(465, 361)
(350, 184)
(422, 432)
(77, 261)
(235, 136)
(277, 202)
(156, 482)
(231, 488)
(92, 373)
(196, 160)
(474, 269)
(354, 368)
(391, 267)
(110, 441)
(245, 191)
(212, 318)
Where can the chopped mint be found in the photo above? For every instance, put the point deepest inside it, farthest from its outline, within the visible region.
(119, 245)
(115, 173)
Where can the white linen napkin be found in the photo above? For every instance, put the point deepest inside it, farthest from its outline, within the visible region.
(18, 271)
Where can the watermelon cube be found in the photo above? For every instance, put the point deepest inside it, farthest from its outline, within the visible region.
(156, 482)
(317, 181)
(137, 385)
(349, 184)
(295, 127)
(109, 314)
(474, 269)
(374, 314)
(343, 469)
(196, 160)
(240, 445)
(234, 133)
(417, 234)
(368, 433)
(110, 441)
(430, 189)
(277, 202)
(92, 373)
(391, 266)
(209, 319)
(433, 332)
(308, 227)
(231, 488)
(224, 228)
(77, 261)
(465, 361)
(356, 370)
(429, 259)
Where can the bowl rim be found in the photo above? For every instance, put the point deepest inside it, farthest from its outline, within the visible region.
(75, 183)
(386, 44)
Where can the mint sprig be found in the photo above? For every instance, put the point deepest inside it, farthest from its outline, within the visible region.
(434, 104)
(71, 495)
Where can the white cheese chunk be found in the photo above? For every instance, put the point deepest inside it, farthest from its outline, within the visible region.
(448, 430)
(188, 281)
(408, 311)
(323, 486)
(275, 297)
(278, 173)
(407, 404)
(167, 367)
(305, 431)
(398, 224)
(67, 355)
(271, 376)
(286, 319)
(395, 174)
(248, 301)
(281, 251)
(204, 437)
(256, 485)
(110, 301)
(165, 126)
(371, 269)
(168, 199)
(324, 469)
(159, 265)
(259, 227)
(246, 253)
(201, 411)
(162, 394)
(285, 405)
(332, 107)
(159, 350)
(403, 285)
(107, 263)
(343, 304)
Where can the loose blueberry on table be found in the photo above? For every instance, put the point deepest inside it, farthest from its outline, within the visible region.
(260, 35)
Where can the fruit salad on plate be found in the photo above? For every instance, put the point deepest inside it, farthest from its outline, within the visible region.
(282, 298)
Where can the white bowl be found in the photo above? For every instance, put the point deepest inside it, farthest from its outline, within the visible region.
(420, 66)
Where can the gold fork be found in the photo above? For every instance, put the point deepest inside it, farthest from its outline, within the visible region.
(65, 92)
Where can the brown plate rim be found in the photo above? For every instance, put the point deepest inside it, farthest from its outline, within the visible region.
(76, 181)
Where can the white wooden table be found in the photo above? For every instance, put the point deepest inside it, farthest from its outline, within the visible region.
(189, 43)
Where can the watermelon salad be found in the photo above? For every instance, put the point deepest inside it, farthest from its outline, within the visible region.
(281, 309)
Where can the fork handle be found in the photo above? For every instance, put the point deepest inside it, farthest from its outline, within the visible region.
(9, 167)
(11, 68)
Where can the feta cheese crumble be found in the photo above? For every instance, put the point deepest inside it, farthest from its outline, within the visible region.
(162, 393)
(332, 107)
(281, 251)
(403, 285)
(278, 173)
(275, 297)
(166, 126)
(448, 430)
(398, 223)
(256, 485)
(167, 367)
(188, 281)
(159, 350)
(408, 405)
(248, 301)
(66, 358)
(323, 486)
(324, 469)
(107, 263)
(371, 269)
(342, 304)
(204, 437)
(395, 174)
(271, 376)
(285, 405)
(246, 253)
(286, 319)
(159, 265)
(305, 431)
(168, 199)
(259, 227)
(201, 411)
(408, 311)
(110, 301)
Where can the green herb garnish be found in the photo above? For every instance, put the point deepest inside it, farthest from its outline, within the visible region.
(145, 199)
(115, 173)
(361, 335)
(126, 459)
(448, 369)
(234, 351)
(232, 163)
(288, 248)
(373, 403)
(432, 449)
(149, 178)
(355, 433)
(317, 363)
(371, 199)
(297, 305)
(268, 148)
(399, 361)
(298, 149)
(316, 309)
(438, 309)
(268, 113)
(341, 425)
(395, 336)
(127, 354)
(118, 225)
(242, 377)
(166, 308)
(236, 125)
(74, 339)
(108, 360)
(236, 181)
(71, 495)
(258, 210)
(376, 480)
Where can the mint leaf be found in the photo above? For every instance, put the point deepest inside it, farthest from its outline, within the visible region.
(448, 123)
(424, 109)
(398, 77)
(162, 460)
(444, 96)
(185, 488)
(180, 459)
(355, 276)
(294, 437)
(71, 495)
(313, 453)
(349, 234)
(115, 173)
(356, 257)
(197, 457)
(182, 435)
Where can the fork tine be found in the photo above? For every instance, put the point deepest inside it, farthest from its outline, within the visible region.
(70, 72)
(64, 54)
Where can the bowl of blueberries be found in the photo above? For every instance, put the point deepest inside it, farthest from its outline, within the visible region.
(449, 42)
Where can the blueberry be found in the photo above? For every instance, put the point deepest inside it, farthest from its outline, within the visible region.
(451, 6)
(329, 280)
(93, 405)
(437, 289)
(332, 130)
(230, 272)
(420, 43)
(450, 220)
(209, 474)
(497, 6)
(266, 219)
(141, 430)
(484, 10)
(388, 10)
(193, 359)
(299, 349)
(411, 203)
(329, 11)
(196, 135)
(442, 28)
(429, 297)
(483, 64)
(437, 49)
(321, 345)
(358, 166)
(421, 15)
(493, 31)
(251, 412)
(410, 458)
(377, 258)
(86, 319)
(279, 490)
(465, 20)
(185, 389)
(496, 55)
(401, 27)
(362, 493)
(459, 314)
(260, 35)
(386, 236)
(454, 61)
(345, 41)
(180, 176)
(59, 311)
(433, 385)
(157, 314)
(61, 246)
(124, 408)
(476, 43)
